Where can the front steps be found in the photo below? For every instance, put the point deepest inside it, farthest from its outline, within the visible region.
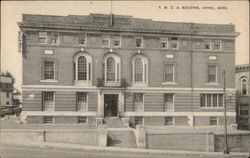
(121, 138)
(114, 122)
(118, 134)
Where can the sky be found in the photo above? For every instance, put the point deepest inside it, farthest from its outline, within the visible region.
(236, 12)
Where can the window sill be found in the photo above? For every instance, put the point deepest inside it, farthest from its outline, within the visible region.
(49, 81)
(169, 83)
(211, 107)
(83, 83)
(212, 84)
(140, 84)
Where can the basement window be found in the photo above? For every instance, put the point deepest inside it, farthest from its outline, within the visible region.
(169, 121)
(48, 119)
(82, 119)
(138, 120)
(213, 121)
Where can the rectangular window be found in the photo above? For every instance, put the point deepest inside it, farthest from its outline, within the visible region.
(169, 102)
(138, 42)
(169, 73)
(48, 119)
(174, 43)
(213, 121)
(105, 40)
(49, 70)
(207, 45)
(48, 101)
(82, 101)
(82, 39)
(138, 120)
(243, 111)
(138, 102)
(217, 45)
(169, 121)
(138, 97)
(54, 38)
(42, 37)
(203, 100)
(7, 103)
(116, 41)
(211, 100)
(82, 119)
(164, 43)
(212, 74)
(7, 95)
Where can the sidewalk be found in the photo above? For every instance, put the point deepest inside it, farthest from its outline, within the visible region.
(127, 150)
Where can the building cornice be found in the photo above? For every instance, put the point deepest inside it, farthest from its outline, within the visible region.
(31, 26)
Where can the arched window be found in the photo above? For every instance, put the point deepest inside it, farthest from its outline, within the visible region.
(110, 69)
(140, 70)
(82, 68)
(243, 85)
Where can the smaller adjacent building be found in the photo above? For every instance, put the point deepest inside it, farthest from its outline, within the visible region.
(6, 87)
(243, 98)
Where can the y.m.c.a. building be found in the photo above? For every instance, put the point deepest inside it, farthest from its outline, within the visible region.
(79, 69)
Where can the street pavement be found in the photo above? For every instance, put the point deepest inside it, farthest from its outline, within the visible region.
(62, 151)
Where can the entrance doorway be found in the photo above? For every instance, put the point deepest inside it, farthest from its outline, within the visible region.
(110, 105)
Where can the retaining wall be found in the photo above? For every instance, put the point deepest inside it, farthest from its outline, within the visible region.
(84, 137)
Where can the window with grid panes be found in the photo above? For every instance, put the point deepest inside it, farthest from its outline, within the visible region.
(42, 37)
(174, 43)
(211, 100)
(81, 96)
(116, 41)
(138, 70)
(82, 68)
(244, 86)
(243, 111)
(169, 121)
(49, 70)
(138, 120)
(207, 44)
(105, 40)
(169, 102)
(138, 97)
(212, 74)
(213, 121)
(82, 39)
(169, 73)
(217, 45)
(54, 38)
(110, 69)
(164, 44)
(138, 42)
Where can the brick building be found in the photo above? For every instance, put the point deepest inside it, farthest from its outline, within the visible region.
(81, 68)
(242, 98)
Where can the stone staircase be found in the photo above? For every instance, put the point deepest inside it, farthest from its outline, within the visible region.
(122, 138)
(118, 134)
(114, 122)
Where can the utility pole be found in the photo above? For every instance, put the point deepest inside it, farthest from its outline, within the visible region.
(226, 150)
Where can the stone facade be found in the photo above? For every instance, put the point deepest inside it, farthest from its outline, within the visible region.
(154, 73)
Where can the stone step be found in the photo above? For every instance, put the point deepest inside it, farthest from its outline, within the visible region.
(122, 139)
(114, 122)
